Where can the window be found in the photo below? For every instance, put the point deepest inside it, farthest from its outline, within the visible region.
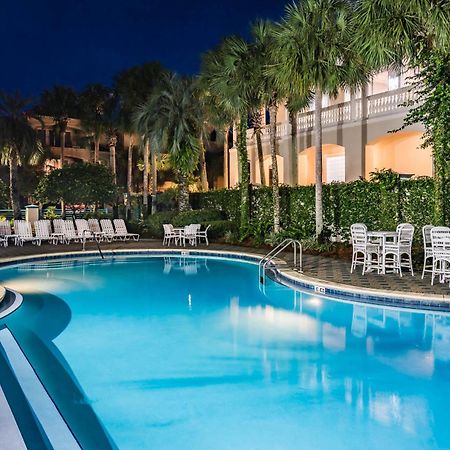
(335, 168)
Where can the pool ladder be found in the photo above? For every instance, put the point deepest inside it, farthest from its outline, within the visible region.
(298, 256)
(97, 241)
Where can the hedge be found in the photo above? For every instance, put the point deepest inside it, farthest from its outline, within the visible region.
(380, 203)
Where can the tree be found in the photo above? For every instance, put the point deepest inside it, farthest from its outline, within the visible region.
(170, 119)
(226, 71)
(314, 53)
(415, 34)
(133, 87)
(93, 102)
(78, 183)
(60, 103)
(19, 143)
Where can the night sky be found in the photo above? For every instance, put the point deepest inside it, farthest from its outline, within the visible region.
(48, 42)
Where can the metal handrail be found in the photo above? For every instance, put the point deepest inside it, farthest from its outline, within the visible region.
(298, 263)
(96, 239)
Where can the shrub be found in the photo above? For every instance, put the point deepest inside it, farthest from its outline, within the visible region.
(220, 228)
(154, 224)
(197, 216)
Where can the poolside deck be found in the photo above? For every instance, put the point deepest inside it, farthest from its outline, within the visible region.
(322, 268)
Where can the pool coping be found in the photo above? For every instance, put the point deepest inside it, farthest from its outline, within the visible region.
(279, 271)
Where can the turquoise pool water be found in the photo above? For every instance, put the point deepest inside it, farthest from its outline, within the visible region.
(184, 353)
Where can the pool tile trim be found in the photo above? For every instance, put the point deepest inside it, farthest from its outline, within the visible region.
(279, 273)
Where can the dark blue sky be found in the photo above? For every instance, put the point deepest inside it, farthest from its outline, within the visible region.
(47, 42)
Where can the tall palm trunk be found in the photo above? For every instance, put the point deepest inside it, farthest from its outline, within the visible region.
(257, 126)
(96, 149)
(13, 188)
(318, 147)
(183, 194)
(226, 163)
(62, 142)
(294, 148)
(203, 172)
(154, 180)
(145, 181)
(129, 174)
(244, 182)
(273, 151)
(112, 157)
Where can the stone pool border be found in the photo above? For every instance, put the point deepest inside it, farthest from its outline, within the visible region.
(281, 273)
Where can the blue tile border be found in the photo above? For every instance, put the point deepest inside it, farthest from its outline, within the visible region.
(314, 286)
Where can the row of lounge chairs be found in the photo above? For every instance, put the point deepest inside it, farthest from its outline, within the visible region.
(65, 231)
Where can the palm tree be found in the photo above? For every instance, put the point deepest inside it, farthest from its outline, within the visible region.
(314, 42)
(133, 87)
(19, 143)
(415, 34)
(266, 52)
(171, 120)
(227, 72)
(61, 103)
(93, 103)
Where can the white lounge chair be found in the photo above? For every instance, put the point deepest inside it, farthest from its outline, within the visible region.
(121, 230)
(66, 232)
(70, 233)
(42, 232)
(6, 233)
(24, 232)
(108, 229)
(94, 226)
(83, 229)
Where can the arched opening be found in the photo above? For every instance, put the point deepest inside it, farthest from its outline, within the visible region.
(401, 153)
(333, 164)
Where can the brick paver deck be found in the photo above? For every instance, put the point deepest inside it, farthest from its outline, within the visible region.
(320, 267)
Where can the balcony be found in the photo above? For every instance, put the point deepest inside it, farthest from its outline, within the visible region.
(374, 106)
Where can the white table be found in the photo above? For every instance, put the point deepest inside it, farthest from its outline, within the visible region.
(382, 237)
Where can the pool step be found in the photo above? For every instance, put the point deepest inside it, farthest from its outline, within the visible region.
(50, 420)
(10, 436)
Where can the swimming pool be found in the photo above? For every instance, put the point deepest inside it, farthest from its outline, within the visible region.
(188, 353)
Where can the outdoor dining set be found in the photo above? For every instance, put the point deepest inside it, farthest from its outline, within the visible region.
(391, 251)
(192, 234)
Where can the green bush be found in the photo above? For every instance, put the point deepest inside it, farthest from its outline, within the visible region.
(381, 203)
(220, 228)
(197, 216)
(153, 226)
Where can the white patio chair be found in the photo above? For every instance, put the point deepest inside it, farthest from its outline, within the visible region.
(203, 235)
(24, 232)
(398, 248)
(42, 232)
(94, 226)
(363, 250)
(190, 234)
(6, 233)
(427, 249)
(109, 231)
(121, 230)
(440, 243)
(169, 234)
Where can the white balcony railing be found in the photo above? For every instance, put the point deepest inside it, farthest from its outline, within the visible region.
(386, 103)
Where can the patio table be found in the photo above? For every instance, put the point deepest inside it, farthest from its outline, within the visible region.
(381, 237)
(180, 233)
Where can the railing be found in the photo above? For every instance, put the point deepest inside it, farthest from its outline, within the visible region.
(376, 105)
(298, 255)
(96, 239)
